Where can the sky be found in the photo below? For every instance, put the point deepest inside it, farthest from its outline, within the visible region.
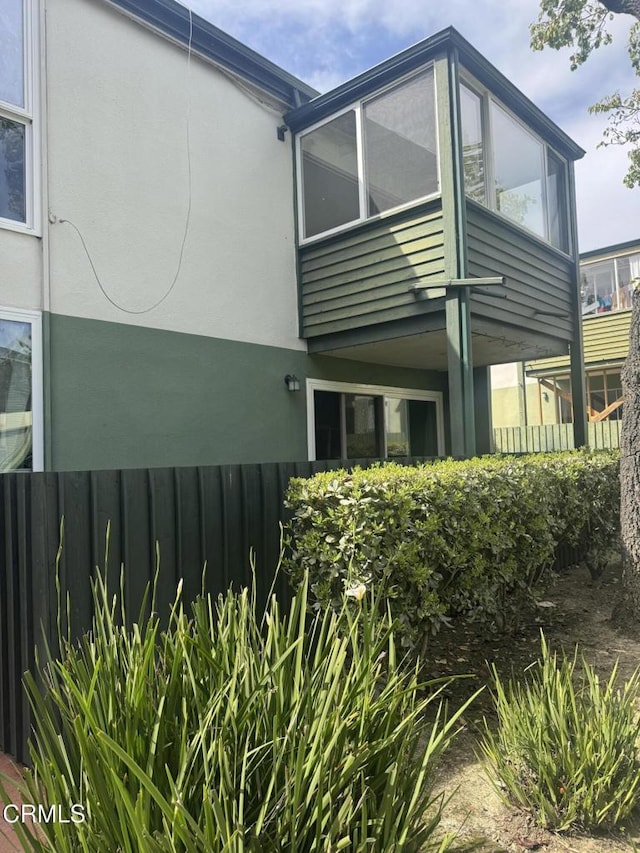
(325, 42)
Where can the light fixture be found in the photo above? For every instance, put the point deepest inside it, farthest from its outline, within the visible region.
(292, 382)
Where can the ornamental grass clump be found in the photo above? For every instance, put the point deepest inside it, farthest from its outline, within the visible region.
(234, 732)
(566, 745)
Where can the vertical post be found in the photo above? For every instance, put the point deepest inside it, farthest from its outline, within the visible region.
(457, 307)
(576, 348)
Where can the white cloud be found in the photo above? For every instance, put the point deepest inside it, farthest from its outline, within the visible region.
(327, 41)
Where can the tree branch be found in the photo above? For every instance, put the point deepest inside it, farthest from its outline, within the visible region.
(624, 7)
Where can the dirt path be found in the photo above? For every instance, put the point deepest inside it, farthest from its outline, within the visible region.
(577, 611)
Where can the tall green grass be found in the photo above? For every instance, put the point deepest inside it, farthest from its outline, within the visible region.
(566, 745)
(230, 731)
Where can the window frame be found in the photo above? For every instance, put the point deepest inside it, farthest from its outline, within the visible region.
(34, 318)
(29, 117)
(383, 391)
(487, 98)
(358, 107)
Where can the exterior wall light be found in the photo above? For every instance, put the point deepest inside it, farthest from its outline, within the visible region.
(292, 382)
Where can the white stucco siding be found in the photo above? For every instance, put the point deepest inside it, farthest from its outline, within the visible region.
(128, 116)
(20, 270)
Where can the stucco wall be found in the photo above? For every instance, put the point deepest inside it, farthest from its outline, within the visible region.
(20, 270)
(130, 118)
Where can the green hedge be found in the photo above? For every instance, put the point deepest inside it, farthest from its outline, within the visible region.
(451, 538)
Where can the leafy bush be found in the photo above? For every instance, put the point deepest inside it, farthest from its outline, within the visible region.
(230, 733)
(449, 538)
(566, 752)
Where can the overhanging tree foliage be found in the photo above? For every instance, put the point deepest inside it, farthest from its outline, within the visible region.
(582, 24)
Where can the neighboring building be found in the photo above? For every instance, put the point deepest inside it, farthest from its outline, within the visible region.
(162, 272)
(606, 277)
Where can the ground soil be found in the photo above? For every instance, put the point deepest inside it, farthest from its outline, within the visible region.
(574, 610)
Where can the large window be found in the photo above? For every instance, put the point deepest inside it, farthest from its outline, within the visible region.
(357, 422)
(20, 391)
(17, 107)
(509, 169)
(378, 155)
(607, 284)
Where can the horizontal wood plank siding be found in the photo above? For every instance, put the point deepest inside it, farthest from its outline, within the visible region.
(606, 341)
(363, 277)
(539, 279)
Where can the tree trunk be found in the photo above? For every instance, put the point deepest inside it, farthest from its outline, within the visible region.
(629, 610)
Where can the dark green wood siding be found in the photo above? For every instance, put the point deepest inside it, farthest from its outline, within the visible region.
(539, 279)
(362, 277)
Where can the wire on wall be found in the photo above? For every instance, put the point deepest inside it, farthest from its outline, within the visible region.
(187, 222)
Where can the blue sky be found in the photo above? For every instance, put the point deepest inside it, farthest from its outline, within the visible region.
(327, 41)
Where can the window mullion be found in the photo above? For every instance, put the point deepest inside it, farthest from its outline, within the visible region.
(487, 145)
(362, 189)
(545, 193)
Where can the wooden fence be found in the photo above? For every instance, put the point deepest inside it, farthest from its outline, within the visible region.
(540, 439)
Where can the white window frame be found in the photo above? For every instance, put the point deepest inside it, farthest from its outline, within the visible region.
(313, 385)
(29, 117)
(358, 107)
(34, 318)
(486, 98)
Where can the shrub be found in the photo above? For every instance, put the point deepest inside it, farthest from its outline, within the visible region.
(230, 733)
(451, 538)
(565, 751)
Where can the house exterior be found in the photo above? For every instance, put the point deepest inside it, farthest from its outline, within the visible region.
(189, 234)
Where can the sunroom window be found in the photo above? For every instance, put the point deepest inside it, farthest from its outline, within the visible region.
(509, 169)
(518, 172)
(376, 156)
(400, 145)
(472, 147)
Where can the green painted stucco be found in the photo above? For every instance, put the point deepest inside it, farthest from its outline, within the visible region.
(121, 396)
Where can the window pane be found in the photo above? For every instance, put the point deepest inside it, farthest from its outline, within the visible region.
(423, 428)
(327, 424)
(557, 202)
(11, 52)
(397, 427)
(627, 268)
(12, 170)
(360, 419)
(472, 149)
(598, 287)
(400, 145)
(15, 395)
(518, 170)
(330, 175)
